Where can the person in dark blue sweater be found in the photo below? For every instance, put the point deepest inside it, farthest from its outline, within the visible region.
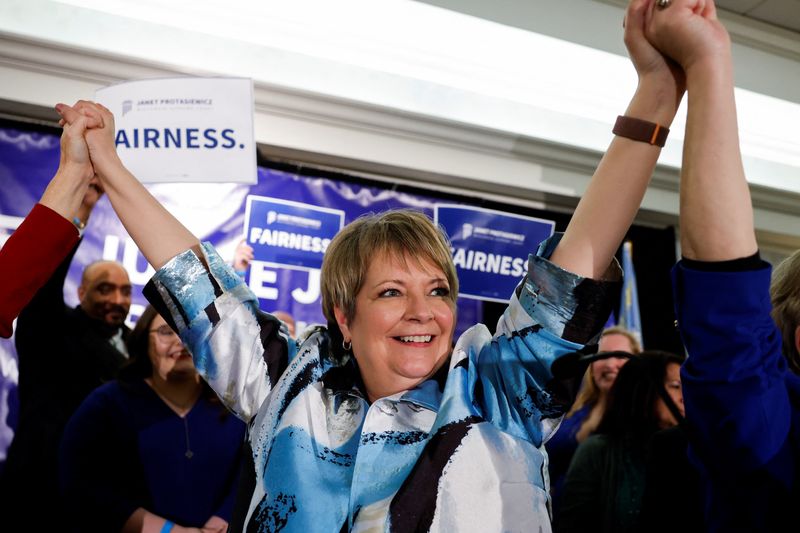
(153, 449)
(740, 396)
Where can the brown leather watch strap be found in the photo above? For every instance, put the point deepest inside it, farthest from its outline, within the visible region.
(640, 130)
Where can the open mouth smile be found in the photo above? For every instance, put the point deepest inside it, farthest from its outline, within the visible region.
(415, 338)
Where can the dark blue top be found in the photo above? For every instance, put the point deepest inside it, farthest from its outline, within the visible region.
(125, 448)
(560, 449)
(742, 402)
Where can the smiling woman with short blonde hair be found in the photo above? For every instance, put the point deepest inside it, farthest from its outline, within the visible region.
(400, 233)
(378, 421)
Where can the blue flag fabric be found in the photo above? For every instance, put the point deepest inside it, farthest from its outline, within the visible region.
(612, 320)
(629, 317)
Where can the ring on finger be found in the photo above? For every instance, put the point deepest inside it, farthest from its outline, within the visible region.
(663, 4)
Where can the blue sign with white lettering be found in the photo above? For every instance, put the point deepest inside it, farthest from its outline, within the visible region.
(290, 234)
(490, 248)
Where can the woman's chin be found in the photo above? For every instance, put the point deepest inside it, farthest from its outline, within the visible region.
(182, 372)
(420, 371)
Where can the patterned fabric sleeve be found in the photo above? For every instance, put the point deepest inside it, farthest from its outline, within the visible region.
(570, 306)
(238, 349)
(553, 313)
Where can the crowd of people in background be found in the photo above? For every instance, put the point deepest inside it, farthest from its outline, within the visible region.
(590, 404)
(211, 415)
(605, 481)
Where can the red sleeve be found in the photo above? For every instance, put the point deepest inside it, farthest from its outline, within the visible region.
(28, 259)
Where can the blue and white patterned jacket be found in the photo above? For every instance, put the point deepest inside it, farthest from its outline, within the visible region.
(463, 451)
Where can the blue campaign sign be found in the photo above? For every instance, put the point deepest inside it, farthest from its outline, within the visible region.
(490, 248)
(290, 234)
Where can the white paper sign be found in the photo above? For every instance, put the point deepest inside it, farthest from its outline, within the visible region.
(185, 129)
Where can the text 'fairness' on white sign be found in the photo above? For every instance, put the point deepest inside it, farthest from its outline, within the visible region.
(185, 129)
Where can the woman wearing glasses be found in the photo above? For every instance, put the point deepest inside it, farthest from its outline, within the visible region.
(154, 445)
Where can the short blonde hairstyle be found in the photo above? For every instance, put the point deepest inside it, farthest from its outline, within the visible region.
(784, 292)
(589, 393)
(636, 346)
(401, 233)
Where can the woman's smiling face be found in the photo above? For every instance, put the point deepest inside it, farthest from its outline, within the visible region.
(402, 329)
(169, 357)
(604, 371)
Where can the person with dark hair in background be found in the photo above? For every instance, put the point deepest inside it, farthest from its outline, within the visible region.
(45, 237)
(606, 478)
(672, 499)
(153, 450)
(586, 412)
(63, 353)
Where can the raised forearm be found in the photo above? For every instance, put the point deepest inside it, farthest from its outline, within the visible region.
(612, 199)
(716, 212)
(65, 191)
(157, 233)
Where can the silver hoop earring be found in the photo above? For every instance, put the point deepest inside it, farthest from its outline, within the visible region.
(347, 345)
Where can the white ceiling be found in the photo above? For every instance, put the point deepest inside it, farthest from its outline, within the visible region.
(767, 54)
(782, 13)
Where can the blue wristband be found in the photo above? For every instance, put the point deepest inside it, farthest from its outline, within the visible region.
(167, 527)
(81, 225)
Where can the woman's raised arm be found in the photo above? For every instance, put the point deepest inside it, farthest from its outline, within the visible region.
(607, 208)
(716, 214)
(159, 235)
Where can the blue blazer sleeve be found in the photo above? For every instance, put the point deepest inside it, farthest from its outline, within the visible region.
(735, 381)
